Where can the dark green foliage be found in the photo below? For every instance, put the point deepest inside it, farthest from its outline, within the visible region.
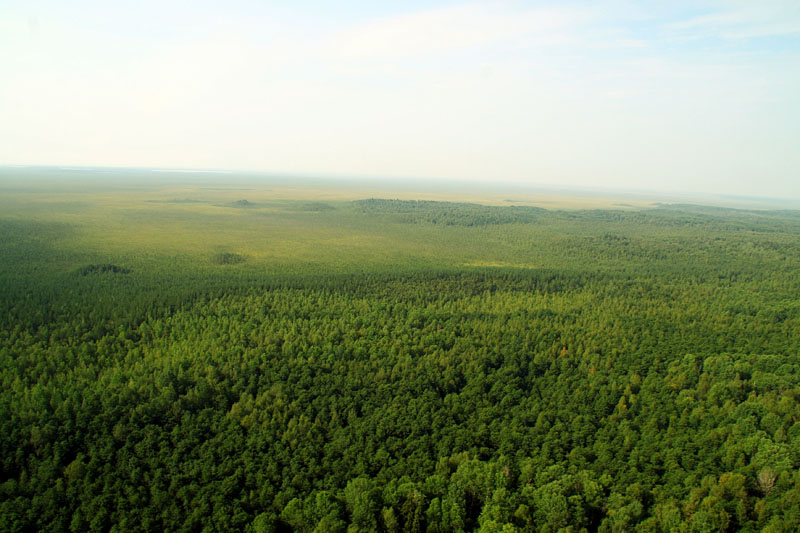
(227, 258)
(101, 269)
(654, 385)
(448, 213)
(315, 207)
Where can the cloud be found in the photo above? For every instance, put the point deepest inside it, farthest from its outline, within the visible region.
(451, 30)
(744, 20)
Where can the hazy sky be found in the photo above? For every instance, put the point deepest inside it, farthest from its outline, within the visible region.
(673, 95)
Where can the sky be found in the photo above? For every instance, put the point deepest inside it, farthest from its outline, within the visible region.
(692, 96)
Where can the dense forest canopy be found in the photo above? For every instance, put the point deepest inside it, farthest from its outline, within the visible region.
(209, 360)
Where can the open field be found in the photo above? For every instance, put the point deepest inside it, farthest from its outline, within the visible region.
(139, 219)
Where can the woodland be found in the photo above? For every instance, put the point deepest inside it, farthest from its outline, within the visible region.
(207, 360)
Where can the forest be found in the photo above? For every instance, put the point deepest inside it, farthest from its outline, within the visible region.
(191, 358)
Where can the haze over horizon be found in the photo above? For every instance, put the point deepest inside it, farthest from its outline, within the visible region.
(693, 96)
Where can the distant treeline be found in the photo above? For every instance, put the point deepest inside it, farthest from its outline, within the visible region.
(449, 213)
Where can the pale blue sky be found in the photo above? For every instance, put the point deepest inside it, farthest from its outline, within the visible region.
(697, 96)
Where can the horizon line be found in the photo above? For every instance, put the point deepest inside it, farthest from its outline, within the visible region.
(363, 177)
